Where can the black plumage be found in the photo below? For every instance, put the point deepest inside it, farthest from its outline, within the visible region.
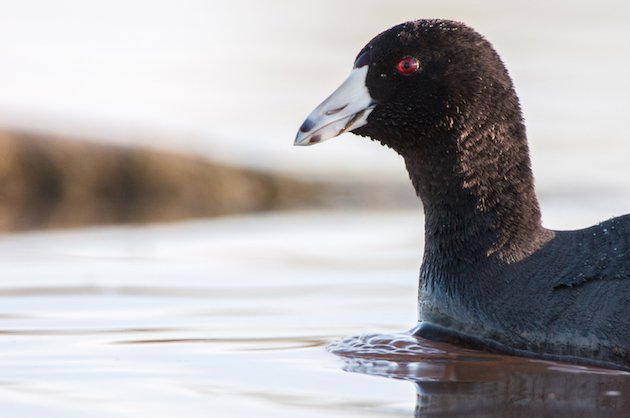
(492, 276)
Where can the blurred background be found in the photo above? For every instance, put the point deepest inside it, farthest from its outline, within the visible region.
(134, 111)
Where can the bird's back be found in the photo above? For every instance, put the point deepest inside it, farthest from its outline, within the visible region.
(568, 301)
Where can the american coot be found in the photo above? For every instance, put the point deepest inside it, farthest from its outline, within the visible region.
(492, 276)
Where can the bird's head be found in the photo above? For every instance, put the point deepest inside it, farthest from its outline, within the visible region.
(417, 80)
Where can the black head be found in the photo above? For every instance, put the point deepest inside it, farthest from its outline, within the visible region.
(459, 80)
(424, 79)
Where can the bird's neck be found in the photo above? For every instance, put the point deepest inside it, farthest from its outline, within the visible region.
(478, 195)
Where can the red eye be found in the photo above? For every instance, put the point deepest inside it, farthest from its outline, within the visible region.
(407, 65)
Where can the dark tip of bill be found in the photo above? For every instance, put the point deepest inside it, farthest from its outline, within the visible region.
(307, 126)
(315, 139)
(364, 59)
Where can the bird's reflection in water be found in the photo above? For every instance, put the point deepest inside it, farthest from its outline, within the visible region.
(452, 381)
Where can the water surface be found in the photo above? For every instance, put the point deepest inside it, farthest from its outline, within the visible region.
(232, 317)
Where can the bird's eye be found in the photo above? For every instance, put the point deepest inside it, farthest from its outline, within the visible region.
(408, 65)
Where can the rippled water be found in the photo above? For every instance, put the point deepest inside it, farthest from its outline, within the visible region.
(231, 318)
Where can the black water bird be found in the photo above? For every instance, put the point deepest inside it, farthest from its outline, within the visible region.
(492, 276)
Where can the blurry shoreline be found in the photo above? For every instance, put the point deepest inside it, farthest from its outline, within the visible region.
(52, 182)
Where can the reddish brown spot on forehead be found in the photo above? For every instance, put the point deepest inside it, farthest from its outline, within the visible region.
(364, 59)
